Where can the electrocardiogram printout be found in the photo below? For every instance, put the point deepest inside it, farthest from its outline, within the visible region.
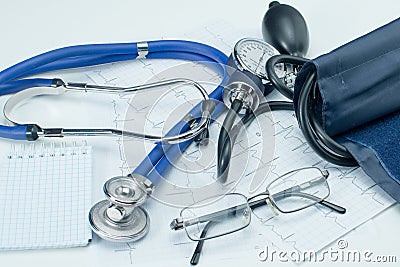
(310, 229)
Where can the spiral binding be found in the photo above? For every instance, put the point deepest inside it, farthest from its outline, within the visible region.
(23, 151)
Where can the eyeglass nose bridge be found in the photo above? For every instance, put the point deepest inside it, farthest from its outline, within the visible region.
(269, 202)
(325, 173)
(267, 199)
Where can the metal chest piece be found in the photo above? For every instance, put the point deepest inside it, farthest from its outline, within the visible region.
(119, 217)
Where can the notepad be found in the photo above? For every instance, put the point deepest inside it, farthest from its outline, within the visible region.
(45, 194)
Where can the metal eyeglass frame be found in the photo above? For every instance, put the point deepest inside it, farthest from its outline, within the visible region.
(178, 223)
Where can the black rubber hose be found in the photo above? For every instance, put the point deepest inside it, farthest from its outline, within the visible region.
(266, 107)
(273, 77)
(319, 141)
(326, 139)
(226, 149)
(316, 137)
(224, 138)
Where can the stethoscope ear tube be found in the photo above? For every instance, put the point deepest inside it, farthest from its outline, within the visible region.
(20, 132)
(84, 55)
(59, 87)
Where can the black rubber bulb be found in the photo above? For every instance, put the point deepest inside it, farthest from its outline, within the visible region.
(285, 28)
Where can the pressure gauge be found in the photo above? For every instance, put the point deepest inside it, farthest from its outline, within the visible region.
(249, 57)
(252, 54)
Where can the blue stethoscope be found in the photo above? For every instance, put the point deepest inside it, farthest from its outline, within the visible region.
(119, 218)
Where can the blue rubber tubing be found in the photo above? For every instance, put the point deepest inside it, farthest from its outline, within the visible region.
(69, 63)
(89, 55)
(15, 133)
(155, 164)
(88, 61)
(174, 152)
(153, 160)
(19, 85)
(164, 46)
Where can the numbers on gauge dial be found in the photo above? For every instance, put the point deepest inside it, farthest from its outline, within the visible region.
(253, 56)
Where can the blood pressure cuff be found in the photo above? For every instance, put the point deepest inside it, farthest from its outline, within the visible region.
(359, 84)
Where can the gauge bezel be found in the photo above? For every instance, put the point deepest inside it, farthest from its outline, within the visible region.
(239, 61)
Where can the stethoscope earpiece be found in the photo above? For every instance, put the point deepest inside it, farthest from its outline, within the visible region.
(119, 218)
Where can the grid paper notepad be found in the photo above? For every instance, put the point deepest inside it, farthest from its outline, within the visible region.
(45, 195)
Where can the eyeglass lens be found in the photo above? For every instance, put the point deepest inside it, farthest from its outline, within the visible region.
(298, 189)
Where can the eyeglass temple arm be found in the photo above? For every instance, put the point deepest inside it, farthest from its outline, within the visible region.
(334, 207)
(196, 254)
(255, 204)
(178, 223)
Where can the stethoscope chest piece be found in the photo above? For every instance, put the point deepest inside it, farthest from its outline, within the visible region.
(119, 217)
(245, 92)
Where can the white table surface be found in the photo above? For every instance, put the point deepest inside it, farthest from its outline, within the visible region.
(32, 27)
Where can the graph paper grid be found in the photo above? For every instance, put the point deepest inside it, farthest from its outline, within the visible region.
(45, 196)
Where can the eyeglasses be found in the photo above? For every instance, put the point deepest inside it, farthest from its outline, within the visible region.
(221, 215)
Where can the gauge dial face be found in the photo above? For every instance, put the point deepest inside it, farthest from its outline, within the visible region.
(252, 55)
